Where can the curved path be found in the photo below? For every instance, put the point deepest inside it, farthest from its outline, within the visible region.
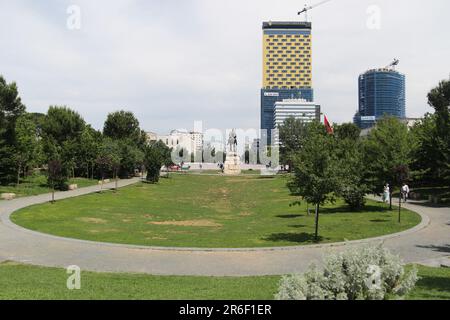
(427, 243)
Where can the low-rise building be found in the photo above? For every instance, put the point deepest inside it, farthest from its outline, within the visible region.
(152, 137)
(192, 142)
(297, 108)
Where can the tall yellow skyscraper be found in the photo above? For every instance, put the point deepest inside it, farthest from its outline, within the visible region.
(287, 55)
(287, 69)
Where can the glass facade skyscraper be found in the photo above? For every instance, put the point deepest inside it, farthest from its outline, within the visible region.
(381, 93)
(287, 69)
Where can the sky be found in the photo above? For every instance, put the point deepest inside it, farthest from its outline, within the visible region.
(173, 62)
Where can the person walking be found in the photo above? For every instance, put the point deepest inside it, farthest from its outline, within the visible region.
(405, 192)
(386, 193)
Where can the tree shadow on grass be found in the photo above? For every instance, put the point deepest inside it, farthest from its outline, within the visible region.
(290, 216)
(299, 238)
(440, 284)
(379, 220)
(299, 226)
(346, 209)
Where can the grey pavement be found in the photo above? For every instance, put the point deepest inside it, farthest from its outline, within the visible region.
(427, 243)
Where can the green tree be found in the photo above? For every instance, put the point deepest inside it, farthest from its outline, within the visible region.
(352, 169)
(156, 155)
(316, 170)
(132, 158)
(27, 150)
(61, 131)
(11, 108)
(386, 148)
(122, 125)
(439, 99)
(347, 131)
(62, 124)
(292, 134)
(425, 164)
(57, 176)
(108, 159)
(89, 146)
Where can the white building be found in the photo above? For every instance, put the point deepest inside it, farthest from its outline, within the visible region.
(297, 108)
(179, 139)
(152, 137)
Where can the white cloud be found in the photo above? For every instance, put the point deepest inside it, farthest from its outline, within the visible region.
(173, 62)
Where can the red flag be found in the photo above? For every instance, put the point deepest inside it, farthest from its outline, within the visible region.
(328, 126)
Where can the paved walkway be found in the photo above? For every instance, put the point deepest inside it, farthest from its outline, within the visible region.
(428, 243)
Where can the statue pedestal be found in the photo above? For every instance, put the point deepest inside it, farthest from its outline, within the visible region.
(232, 164)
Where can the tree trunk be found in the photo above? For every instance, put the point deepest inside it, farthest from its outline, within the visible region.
(103, 181)
(390, 200)
(316, 236)
(18, 175)
(117, 180)
(400, 208)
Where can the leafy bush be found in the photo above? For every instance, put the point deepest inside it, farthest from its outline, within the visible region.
(354, 196)
(369, 273)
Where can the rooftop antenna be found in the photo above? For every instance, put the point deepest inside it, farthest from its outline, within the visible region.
(393, 64)
(308, 8)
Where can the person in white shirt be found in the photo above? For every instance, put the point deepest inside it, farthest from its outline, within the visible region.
(386, 194)
(405, 192)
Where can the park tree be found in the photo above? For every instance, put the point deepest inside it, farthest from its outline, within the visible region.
(292, 133)
(62, 124)
(11, 108)
(349, 152)
(108, 159)
(123, 125)
(89, 146)
(61, 131)
(57, 176)
(388, 146)
(425, 164)
(347, 131)
(28, 147)
(132, 158)
(439, 99)
(316, 171)
(156, 155)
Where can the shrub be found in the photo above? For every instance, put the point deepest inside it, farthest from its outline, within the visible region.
(354, 196)
(369, 273)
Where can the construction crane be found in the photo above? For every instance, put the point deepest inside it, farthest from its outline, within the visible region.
(308, 8)
(393, 64)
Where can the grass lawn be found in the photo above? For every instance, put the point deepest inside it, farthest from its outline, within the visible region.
(207, 212)
(37, 184)
(434, 284)
(29, 282)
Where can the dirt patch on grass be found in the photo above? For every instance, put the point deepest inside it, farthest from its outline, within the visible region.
(188, 223)
(238, 180)
(93, 220)
(156, 238)
(103, 231)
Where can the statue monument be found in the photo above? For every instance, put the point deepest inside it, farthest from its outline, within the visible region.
(233, 161)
